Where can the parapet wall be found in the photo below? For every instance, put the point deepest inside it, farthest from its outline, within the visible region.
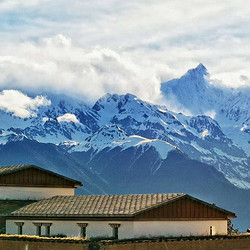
(35, 243)
(29, 245)
(221, 244)
(14, 242)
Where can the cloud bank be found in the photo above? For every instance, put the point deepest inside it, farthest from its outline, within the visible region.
(21, 105)
(54, 64)
(121, 46)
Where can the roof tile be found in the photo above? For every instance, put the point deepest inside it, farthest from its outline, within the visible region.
(98, 205)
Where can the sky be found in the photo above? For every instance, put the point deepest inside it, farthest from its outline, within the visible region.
(89, 48)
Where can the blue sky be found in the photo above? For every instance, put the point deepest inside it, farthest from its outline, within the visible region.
(94, 47)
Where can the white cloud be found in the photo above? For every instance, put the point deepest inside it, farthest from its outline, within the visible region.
(55, 64)
(20, 104)
(67, 118)
(7, 5)
(121, 46)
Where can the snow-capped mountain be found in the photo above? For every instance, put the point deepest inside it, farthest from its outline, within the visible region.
(123, 144)
(125, 121)
(196, 93)
(193, 93)
(200, 137)
(65, 119)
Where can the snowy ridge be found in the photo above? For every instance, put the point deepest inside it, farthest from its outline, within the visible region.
(125, 121)
(112, 136)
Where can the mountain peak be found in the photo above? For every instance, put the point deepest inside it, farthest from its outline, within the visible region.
(199, 72)
(201, 67)
(110, 99)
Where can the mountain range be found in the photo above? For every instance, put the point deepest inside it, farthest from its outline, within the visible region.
(123, 144)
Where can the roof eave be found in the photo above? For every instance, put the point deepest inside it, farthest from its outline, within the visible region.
(78, 185)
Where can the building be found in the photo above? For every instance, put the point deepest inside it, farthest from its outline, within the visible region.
(29, 182)
(120, 216)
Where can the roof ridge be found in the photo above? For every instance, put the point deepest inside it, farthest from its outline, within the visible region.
(83, 195)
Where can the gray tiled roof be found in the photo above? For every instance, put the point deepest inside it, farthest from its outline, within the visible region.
(95, 205)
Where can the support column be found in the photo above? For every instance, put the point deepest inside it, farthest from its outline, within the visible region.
(19, 227)
(115, 227)
(83, 228)
(38, 228)
(47, 228)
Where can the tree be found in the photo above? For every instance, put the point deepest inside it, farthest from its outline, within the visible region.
(230, 228)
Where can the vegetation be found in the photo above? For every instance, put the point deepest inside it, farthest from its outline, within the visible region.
(8, 206)
(105, 240)
(58, 236)
(54, 239)
(230, 228)
(101, 238)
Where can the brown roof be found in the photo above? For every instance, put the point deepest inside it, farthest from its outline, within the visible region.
(16, 168)
(95, 205)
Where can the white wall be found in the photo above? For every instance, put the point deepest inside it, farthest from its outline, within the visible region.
(179, 228)
(71, 229)
(127, 229)
(32, 193)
